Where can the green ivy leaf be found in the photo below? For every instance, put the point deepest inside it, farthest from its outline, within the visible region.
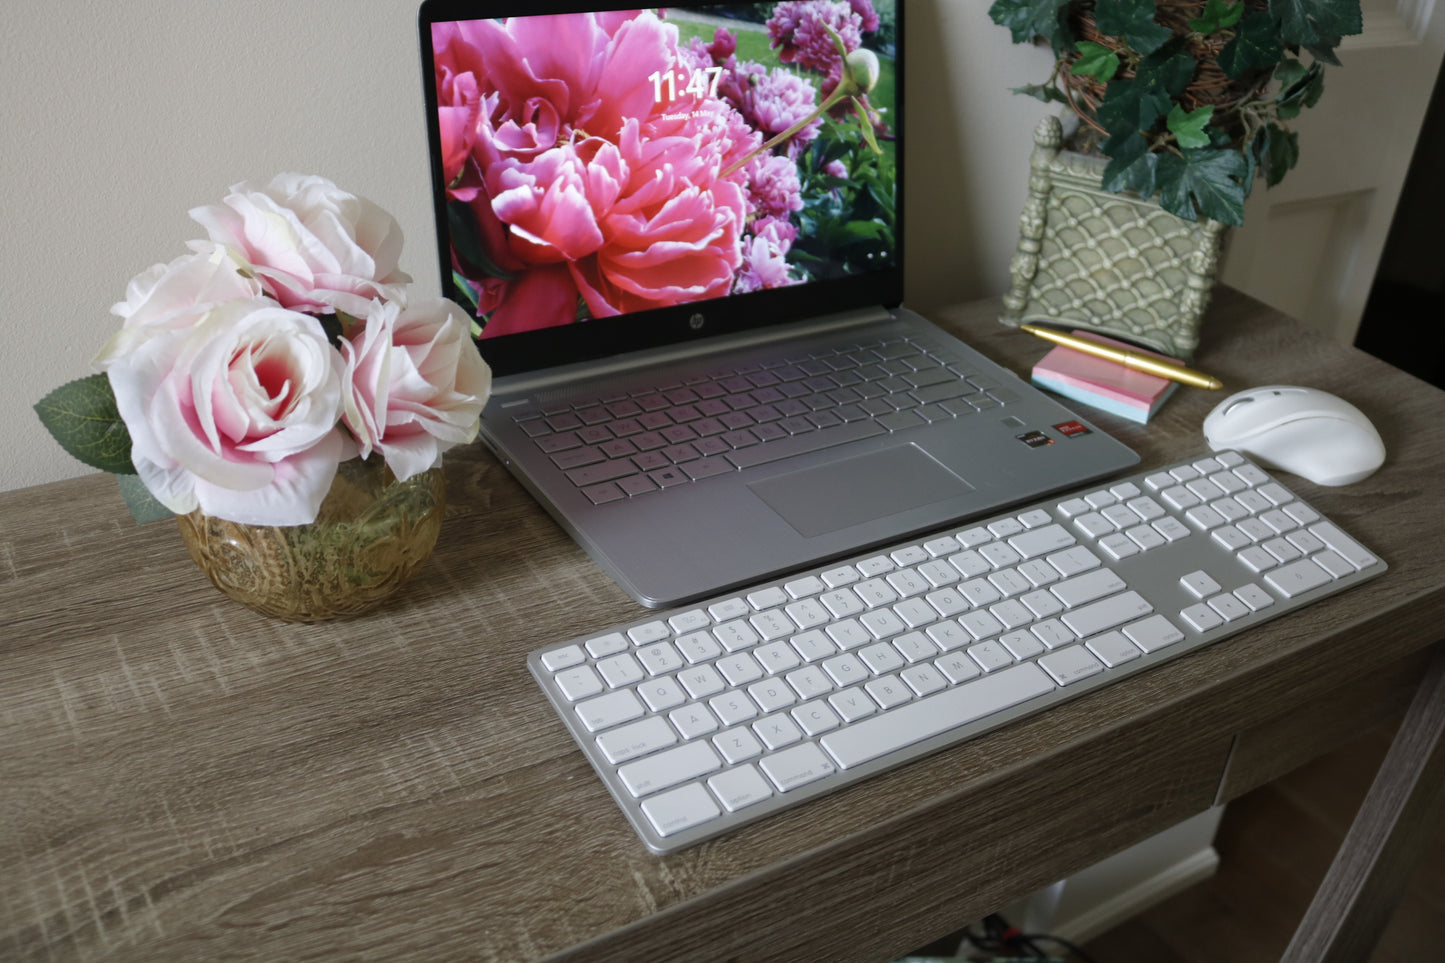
(1134, 21)
(1043, 92)
(1027, 19)
(1204, 182)
(83, 418)
(1136, 105)
(1188, 127)
(1255, 45)
(1279, 153)
(1131, 165)
(1217, 15)
(1095, 60)
(1289, 72)
(1316, 23)
(1131, 106)
(1171, 68)
(1303, 89)
(1324, 51)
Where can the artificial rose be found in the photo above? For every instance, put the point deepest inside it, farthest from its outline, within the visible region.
(172, 297)
(415, 384)
(236, 415)
(313, 246)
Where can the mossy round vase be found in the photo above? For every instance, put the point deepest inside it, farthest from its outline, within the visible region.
(371, 534)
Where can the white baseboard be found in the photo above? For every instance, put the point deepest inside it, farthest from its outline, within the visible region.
(1102, 917)
(1106, 894)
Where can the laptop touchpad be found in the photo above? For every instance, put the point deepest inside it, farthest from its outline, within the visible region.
(855, 490)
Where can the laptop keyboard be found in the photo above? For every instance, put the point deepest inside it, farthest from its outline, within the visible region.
(629, 444)
(702, 719)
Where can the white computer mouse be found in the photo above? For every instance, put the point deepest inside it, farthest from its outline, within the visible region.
(1303, 431)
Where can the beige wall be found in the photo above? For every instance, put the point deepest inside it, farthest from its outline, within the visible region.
(119, 116)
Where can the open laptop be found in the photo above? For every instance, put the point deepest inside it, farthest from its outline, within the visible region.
(688, 284)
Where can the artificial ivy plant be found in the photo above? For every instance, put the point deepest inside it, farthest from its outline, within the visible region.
(1189, 99)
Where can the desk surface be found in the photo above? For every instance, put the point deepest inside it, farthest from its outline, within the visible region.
(182, 778)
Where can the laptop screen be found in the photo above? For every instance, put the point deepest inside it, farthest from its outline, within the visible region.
(612, 179)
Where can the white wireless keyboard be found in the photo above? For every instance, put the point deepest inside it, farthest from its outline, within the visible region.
(705, 718)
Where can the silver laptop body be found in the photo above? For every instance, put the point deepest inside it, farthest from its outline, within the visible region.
(732, 405)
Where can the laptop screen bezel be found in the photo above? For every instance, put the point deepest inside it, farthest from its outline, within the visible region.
(691, 322)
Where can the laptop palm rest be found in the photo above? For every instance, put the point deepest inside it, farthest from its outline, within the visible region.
(863, 488)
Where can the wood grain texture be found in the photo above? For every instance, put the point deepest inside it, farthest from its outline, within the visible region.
(1265, 752)
(182, 778)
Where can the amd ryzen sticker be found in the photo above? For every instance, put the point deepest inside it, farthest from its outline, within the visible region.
(1036, 439)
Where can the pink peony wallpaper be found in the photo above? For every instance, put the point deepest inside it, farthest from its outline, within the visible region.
(605, 163)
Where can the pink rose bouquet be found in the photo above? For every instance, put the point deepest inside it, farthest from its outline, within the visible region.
(284, 343)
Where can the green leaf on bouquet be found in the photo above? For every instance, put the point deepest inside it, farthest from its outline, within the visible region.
(142, 504)
(83, 418)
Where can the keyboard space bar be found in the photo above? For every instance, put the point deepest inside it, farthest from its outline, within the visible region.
(915, 721)
(802, 444)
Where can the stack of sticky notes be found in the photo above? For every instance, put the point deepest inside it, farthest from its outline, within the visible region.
(1101, 383)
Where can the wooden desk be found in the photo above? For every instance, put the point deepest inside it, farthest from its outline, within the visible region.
(180, 778)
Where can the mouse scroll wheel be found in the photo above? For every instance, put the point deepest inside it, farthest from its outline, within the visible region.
(1238, 404)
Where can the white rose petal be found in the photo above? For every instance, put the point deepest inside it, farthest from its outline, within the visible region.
(237, 414)
(415, 383)
(313, 245)
(174, 296)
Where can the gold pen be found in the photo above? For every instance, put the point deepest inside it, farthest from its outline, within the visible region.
(1129, 359)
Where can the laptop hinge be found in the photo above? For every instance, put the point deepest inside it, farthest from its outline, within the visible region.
(549, 378)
